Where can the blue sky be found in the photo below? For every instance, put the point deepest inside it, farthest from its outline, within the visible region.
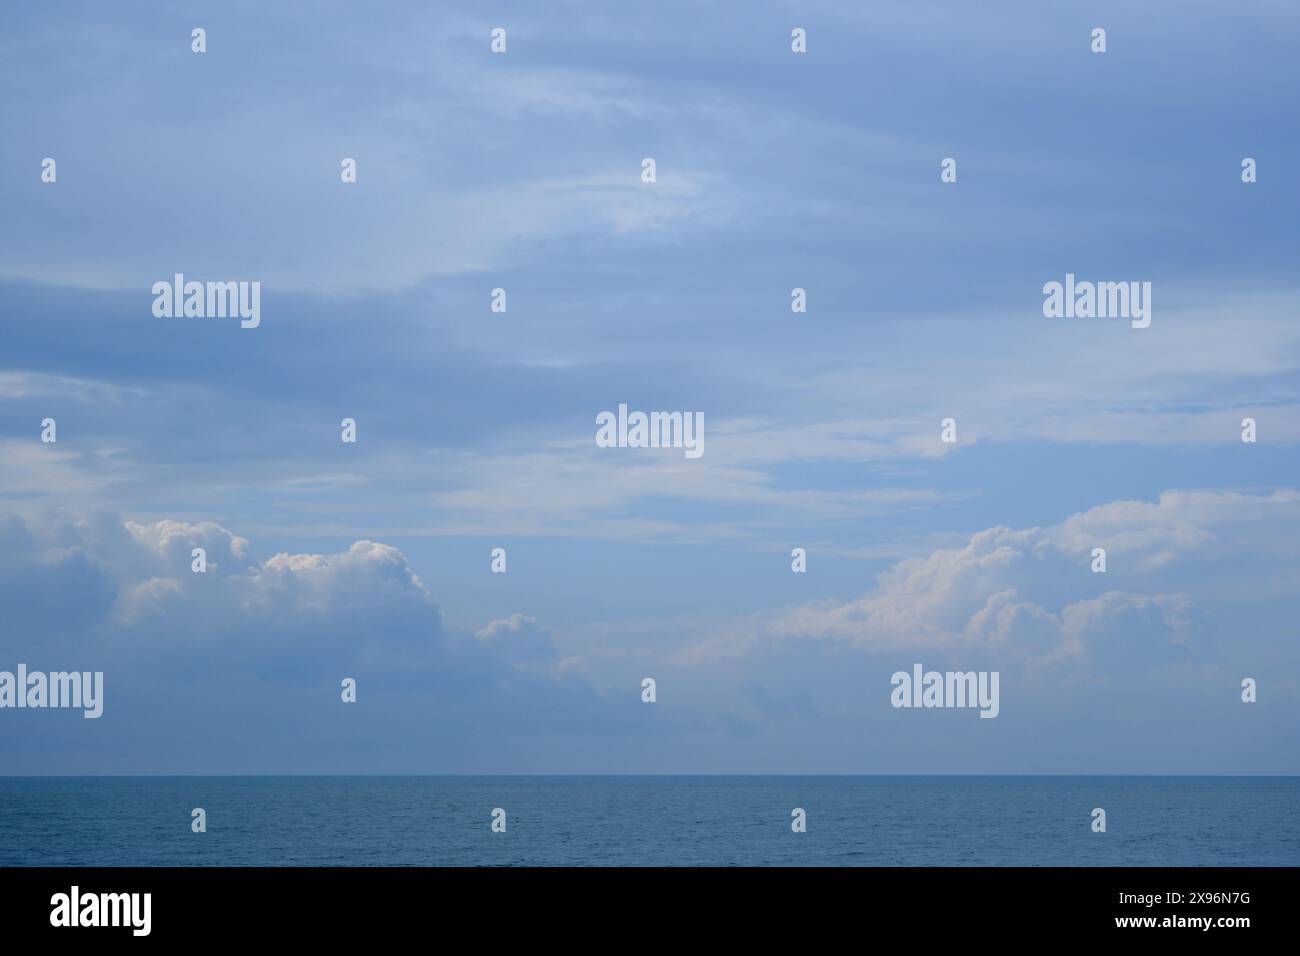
(476, 430)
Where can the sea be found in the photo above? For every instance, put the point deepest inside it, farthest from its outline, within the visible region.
(650, 821)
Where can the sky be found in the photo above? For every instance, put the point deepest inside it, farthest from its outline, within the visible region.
(476, 429)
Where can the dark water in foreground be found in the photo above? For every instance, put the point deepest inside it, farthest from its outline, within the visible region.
(676, 821)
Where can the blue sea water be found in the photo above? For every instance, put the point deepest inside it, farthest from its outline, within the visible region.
(650, 820)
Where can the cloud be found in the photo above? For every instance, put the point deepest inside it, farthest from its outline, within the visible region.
(257, 646)
(247, 657)
(523, 644)
(173, 542)
(143, 580)
(1029, 597)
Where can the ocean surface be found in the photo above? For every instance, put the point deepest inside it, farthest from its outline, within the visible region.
(645, 820)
